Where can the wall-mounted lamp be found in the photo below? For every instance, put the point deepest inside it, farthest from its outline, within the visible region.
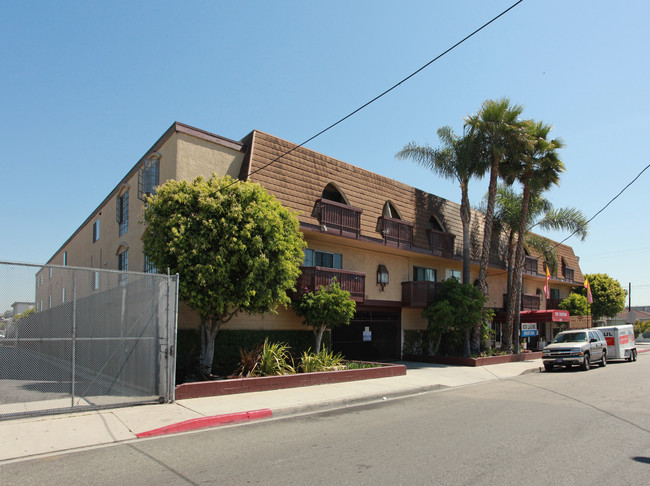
(382, 276)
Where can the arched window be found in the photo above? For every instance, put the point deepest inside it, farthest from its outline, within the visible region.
(434, 224)
(390, 211)
(332, 193)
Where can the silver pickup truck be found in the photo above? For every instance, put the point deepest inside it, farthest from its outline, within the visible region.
(576, 347)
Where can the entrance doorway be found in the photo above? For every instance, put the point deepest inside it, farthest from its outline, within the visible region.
(371, 336)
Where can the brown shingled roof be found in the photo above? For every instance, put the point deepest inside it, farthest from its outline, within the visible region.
(298, 179)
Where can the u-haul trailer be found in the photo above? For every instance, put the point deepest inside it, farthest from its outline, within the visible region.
(620, 342)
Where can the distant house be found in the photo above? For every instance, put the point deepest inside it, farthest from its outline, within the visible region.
(20, 307)
(387, 243)
(625, 318)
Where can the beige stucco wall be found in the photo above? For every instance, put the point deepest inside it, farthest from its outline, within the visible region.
(285, 319)
(200, 157)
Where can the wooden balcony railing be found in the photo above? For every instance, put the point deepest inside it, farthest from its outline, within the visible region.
(442, 244)
(553, 303)
(313, 278)
(397, 233)
(528, 302)
(531, 265)
(569, 274)
(419, 294)
(337, 218)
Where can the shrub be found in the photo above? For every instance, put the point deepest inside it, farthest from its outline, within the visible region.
(274, 359)
(323, 361)
(357, 365)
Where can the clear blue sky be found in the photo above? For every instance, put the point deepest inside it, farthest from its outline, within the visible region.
(87, 87)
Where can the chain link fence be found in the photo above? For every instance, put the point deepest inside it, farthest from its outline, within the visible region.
(80, 338)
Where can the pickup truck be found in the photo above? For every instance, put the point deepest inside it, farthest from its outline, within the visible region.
(576, 347)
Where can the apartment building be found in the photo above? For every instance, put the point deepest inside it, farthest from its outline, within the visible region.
(389, 244)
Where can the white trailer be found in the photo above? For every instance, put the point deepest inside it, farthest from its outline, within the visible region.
(620, 342)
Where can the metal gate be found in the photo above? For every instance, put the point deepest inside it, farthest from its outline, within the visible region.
(81, 338)
(371, 336)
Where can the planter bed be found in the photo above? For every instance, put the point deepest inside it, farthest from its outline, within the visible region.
(482, 361)
(264, 383)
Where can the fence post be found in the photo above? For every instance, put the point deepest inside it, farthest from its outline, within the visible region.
(74, 337)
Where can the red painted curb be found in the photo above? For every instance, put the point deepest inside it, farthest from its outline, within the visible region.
(203, 422)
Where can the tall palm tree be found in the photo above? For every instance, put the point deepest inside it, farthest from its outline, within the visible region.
(537, 170)
(503, 137)
(542, 214)
(457, 159)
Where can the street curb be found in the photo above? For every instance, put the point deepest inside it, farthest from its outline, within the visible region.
(203, 422)
(352, 402)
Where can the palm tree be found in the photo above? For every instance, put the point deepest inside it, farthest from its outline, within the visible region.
(537, 170)
(457, 159)
(542, 214)
(503, 137)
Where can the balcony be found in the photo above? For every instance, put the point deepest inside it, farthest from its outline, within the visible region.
(531, 265)
(419, 294)
(569, 274)
(336, 218)
(397, 233)
(442, 244)
(313, 278)
(553, 303)
(528, 302)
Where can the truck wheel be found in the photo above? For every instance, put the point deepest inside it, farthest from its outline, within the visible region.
(548, 367)
(634, 355)
(586, 364)
(603, 362)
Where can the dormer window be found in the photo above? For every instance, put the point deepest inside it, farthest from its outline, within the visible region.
(390, 211)
(331, 193)
(335, 215)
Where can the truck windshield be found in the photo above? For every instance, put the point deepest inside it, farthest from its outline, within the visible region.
(572, 337)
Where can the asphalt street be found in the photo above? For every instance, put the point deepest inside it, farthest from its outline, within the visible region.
(564, 427)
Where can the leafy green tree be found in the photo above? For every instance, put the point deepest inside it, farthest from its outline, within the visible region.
(458, 159)
(576, 304)
(27, 313)
(326, 308)
(608, 295)
(235, 247)
(641, 327)
(458, 307)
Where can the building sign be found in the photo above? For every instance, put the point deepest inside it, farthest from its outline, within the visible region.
(528, 329)
(367, 334)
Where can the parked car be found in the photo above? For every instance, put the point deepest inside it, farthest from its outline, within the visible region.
(576, 347)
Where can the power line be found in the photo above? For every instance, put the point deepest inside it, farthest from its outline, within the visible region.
(595, 215)
(368, 103)
(606, 205)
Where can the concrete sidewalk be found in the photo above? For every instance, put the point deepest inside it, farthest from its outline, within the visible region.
(22, 438)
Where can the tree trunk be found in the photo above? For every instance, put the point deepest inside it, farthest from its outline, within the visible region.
(487, 229)
(516, 274)
(473, 337)
(209, 330)
(485, 252)
(318, 333)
